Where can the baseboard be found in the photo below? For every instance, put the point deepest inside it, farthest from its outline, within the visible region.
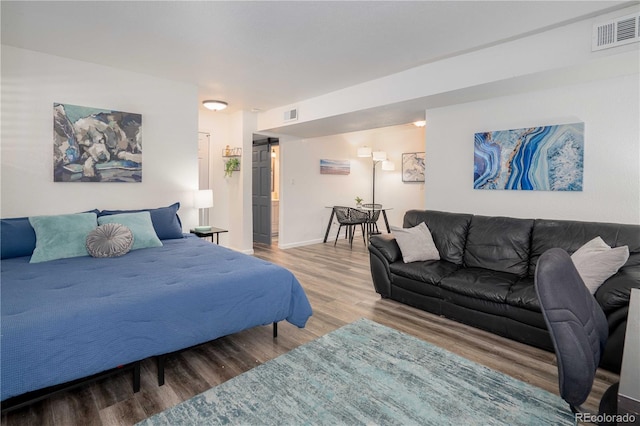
(299, 244)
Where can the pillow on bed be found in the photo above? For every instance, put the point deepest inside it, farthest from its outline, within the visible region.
(109, 240)
(17, 237)
(165, 220)
(144, 236)
(61, 236)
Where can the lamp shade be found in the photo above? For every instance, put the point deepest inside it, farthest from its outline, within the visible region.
(388, 165)
(379, 155)
(203, 199)
(365, 151)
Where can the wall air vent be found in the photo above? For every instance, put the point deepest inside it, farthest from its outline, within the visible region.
(291, 115)
(616, 32)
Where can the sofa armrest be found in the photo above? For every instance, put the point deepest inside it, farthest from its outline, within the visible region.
(383, 250)
(387, 247)
(615, 292)
(612, 355)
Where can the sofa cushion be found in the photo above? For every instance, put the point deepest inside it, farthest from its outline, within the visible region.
(499, 243)
(449, 231)
(523, 295)
(430, 271)
(480, 283)
(571, 235)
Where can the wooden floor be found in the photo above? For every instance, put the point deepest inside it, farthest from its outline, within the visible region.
(338, 283)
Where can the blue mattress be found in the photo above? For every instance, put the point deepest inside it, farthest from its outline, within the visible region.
(71, 318)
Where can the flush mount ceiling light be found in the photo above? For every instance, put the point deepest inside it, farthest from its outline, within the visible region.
(215, 105)
(420, 123)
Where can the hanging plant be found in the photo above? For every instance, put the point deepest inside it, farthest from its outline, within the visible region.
(232, 164)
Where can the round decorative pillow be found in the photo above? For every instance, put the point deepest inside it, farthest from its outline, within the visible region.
(109, 240)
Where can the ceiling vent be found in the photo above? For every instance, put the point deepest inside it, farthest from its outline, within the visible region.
(291, 115)
(617, 32)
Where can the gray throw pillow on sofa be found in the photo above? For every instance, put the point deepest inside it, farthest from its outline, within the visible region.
(416, 244)
(596, 261)
(109, 240)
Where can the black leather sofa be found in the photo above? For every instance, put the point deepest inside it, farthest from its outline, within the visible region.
(484, 277)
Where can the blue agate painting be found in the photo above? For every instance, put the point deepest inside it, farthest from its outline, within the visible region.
(548, 158)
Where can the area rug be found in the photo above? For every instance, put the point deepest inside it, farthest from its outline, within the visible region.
(369, 374)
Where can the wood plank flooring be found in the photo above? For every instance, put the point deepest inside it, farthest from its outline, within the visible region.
(338, 283)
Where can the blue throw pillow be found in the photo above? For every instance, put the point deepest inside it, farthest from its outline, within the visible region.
(17, 237)
(165, 220)
(144, 236)
(61, 236)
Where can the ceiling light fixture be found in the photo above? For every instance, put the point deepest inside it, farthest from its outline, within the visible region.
(420, 123)
(215, 105)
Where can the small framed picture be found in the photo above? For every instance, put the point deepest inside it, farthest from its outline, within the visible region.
(413, 166)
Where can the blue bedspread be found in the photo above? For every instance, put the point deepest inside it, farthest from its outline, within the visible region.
(71, 318)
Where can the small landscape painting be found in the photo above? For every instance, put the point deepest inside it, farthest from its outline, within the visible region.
(413, 166)
(335, 167)
(96, 145)
(546, 158)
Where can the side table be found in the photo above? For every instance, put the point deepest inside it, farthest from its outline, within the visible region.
(213, 231)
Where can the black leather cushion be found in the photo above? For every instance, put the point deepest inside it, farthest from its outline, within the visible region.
(449, 231)
(387, 245)
(571, 235)
(523, 295)
(428, 271)
(499, 243)
(480, 283)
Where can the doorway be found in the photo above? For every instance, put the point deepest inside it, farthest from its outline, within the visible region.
(265, 188)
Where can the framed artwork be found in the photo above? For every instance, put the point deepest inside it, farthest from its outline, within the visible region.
(96, 145)
(413, 166)
(547, 158)
(335, 167)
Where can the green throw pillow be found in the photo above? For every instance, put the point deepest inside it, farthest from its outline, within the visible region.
(144, 236)
(61, 236)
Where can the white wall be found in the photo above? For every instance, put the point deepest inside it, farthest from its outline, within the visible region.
(231, 195)
(304, 192)
(32, 82)
(611, 186)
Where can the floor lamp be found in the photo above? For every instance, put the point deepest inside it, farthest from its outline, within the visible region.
(376, 157)
(203, 201)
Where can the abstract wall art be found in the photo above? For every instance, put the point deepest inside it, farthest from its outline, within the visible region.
(548, 158)
(335, 167)
(96, 145)
(413, 167)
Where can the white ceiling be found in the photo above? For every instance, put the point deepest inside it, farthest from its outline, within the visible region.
(265, 54)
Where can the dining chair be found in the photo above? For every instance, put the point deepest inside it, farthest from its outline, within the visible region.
(374, 214)
(350, 218)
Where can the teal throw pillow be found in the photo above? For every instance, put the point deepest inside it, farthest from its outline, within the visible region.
(144, 236)
(61, 236)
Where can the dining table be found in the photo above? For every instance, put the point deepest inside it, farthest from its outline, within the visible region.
(367, 209)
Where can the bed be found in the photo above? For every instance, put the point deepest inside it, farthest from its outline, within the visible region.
(71, 318)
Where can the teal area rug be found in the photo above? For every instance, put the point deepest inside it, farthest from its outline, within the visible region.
(366, 373)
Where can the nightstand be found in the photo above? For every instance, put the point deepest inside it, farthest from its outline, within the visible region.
(205, 234)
